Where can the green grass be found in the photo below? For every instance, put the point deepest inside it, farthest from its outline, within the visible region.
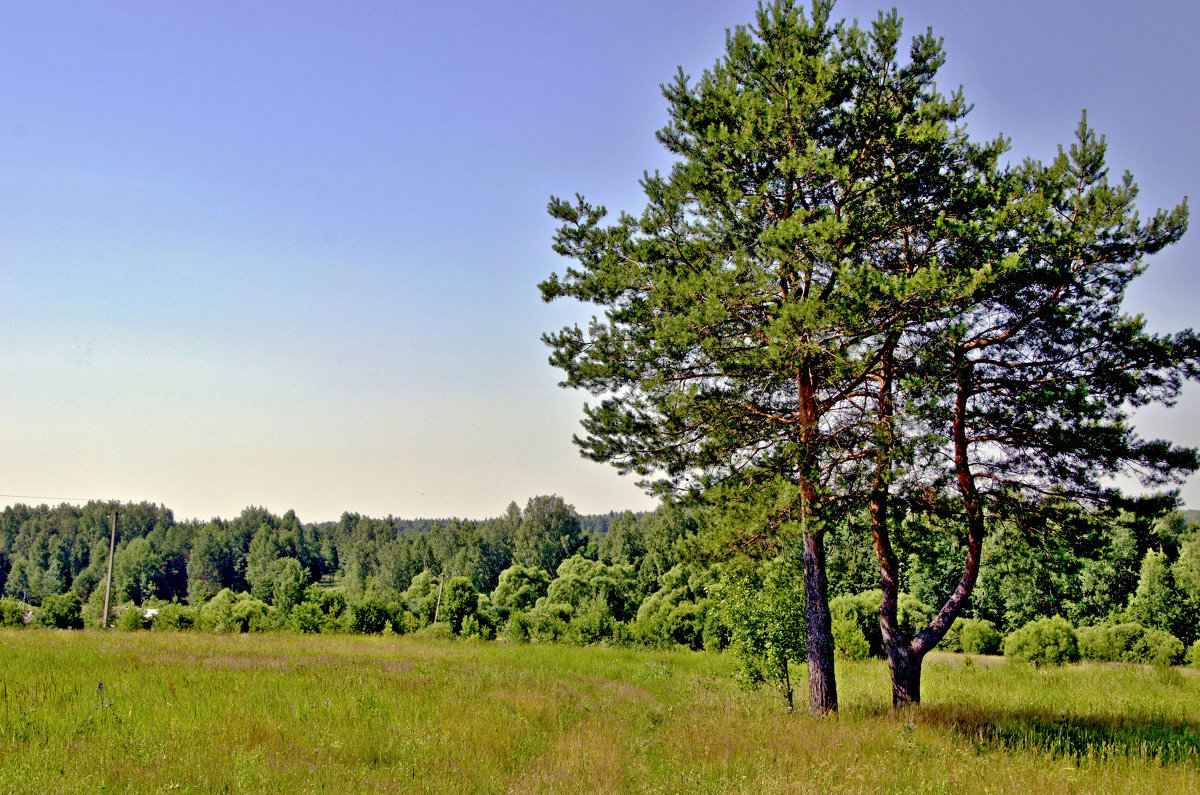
(284, 713)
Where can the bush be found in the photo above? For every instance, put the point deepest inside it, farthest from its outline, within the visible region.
(174, 617)
(1045, 641)
(1193, 655)
(980, 637)
(441, 630)
(1095, 643)
(459, 600)
(863, 609)
(471, 628)
(64, 611)
(519, 627)
(12, 612)
(131, 619)
(216, 615)
(952, 640)
(592, 623)
(369, 616)
(849, 640)
(254, 615)
(1130, 642)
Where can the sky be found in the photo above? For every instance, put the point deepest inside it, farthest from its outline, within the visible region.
(287, 254)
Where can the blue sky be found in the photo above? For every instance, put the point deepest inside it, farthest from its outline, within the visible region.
(286, 254)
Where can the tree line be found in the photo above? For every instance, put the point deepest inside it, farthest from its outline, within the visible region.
(543, 573)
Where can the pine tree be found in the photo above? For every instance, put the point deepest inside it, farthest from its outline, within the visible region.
(748, 309)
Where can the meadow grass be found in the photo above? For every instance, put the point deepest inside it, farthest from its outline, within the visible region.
(159, 712)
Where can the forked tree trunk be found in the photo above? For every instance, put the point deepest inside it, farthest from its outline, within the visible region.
(905, 667)
(906, 653)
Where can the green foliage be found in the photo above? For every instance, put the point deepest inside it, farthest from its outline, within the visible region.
(549, 533)
(137, 572)
(952, 640)
(1193, 655)
(849, 640)
(130, 619)
(1156, 602)
(12, 612)
(763, 607)
(1045, 641)
(580, 580)
(441, 631)
(519, 627)
(677, 612)
(421, 596)
(1130, 642)
(369, 616)
(459, 600)
(254, 615)
(306, 618)
(230, 612)
(980, 637)
(518, 589)
(61, 611)
(862, 609)
(174, 617)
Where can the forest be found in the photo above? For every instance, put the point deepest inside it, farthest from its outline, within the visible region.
(1125, 584)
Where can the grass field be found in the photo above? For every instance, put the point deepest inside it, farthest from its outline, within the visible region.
(160, 712)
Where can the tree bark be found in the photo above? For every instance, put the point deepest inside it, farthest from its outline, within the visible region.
(905, 666)
(822, 686)
(905, 654)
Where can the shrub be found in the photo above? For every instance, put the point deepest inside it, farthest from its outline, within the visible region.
(459, 600)
(980, 636)
(849, 640)
(1044, 641)
(405, 622)
(519, 588)
(369, 616)
(306, 618)
(216, 615)
(471, 628)
(173, 617)
(12, 612)
(1193, 655)
(1095, 643)
(441, 630)
(549, 621)
(1130, 642)
(519, 627)
(952, 640)
(64, 611)
(131, 619)
(254, 615)
(863, 609)
(1157, 647)
(592, 623)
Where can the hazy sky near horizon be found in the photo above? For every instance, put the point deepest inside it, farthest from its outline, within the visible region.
(287, 254)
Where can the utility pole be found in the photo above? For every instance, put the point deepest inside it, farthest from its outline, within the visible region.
(438, 607)
(112, 544)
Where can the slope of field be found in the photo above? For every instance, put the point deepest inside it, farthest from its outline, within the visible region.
(151, 712)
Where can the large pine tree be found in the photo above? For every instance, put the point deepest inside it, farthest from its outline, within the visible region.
(747, 310)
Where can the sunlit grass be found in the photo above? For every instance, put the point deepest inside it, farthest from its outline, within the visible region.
(285, 713)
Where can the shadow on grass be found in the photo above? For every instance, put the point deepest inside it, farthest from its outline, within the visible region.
(1077, 737)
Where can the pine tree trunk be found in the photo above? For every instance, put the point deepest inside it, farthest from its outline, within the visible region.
(905, 667)
(822, 687)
